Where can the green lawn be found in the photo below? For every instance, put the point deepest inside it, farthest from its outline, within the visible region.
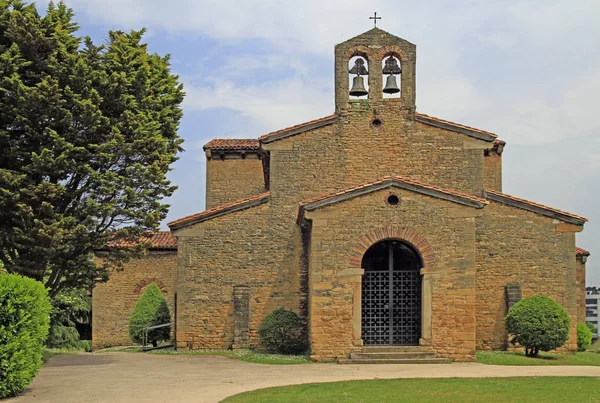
(543, 389)
(510, 358)
(257, 357)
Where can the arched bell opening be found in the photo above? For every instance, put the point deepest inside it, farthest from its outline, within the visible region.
(392, 70)
(391, 294)
(358, 71)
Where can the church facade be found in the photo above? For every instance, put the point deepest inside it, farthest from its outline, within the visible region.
(381, 226)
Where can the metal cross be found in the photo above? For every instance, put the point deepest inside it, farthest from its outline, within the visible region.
(375, 18)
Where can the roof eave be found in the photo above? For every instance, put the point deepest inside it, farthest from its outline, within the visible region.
(457, 129)
(198, 218)
(285, 133)
(499, 198)
(388, 183)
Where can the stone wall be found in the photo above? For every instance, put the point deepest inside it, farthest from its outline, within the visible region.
(450, 231)
(492, 171)
(254, 250)
(233, 178)
(113, 301)
(580, 267)
(515, 246)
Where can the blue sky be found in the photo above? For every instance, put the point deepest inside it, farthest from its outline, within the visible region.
(528, 70)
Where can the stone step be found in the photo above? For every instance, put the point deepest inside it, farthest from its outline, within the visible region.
(392, 355)
(391, 349)
(395, 361)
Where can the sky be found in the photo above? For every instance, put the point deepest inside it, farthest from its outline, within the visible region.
(528, 70)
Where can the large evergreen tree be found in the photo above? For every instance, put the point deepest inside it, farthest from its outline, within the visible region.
(87, 135)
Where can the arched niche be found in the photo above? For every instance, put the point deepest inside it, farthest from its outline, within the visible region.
(358, 66)
(391, 65)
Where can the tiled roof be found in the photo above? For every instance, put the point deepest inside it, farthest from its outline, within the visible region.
(232, 144)
(534, 207)
(582, 252)
(155, 240)
(471, 131)
(220, 210)
(297, 129)
(387, 181)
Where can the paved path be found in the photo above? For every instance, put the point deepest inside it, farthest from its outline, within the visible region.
(135, 377)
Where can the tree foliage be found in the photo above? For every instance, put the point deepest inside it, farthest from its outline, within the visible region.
(584, 337)
(283, 331)
(538, 323)
(69, 308)
(150, 310)
(24, 321)
(87, 135)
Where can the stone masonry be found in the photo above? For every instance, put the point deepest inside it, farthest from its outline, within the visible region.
(113, 302)
(291, 214)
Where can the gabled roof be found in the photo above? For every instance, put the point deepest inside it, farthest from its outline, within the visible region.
(220, 210)
(382, 35)
(386, 182)
(581, 252)
(534, 207)
(158, 240)
(455, 127)
(297, 129)
(232, 145)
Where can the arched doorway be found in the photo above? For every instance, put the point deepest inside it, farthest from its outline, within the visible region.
(391, 294)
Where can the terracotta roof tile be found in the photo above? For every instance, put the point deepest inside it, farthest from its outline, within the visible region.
(582, 252)
(534, 204)
(458, 125)
(408, 181)
(306, 125)
(232, 144)
(400, 179)
(219, 210)
(155, 240)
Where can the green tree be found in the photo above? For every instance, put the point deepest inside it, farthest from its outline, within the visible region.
(538, 323)
(150, 310)
(87, 136)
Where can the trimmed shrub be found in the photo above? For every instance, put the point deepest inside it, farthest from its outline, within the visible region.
(24, 321)
(538, 323)
(62, 337)
(584, 337)
(150, 310)
(283, 331)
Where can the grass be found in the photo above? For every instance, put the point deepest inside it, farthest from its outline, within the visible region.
(542, 389)
(513, 358)
(258, 357)
(595, 347)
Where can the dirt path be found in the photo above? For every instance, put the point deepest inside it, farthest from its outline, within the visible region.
(131, 377)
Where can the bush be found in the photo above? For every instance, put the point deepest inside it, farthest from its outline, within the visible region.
(85, 345)
(584, 337)
(283, 331)
(62, 337)
(150, 310)
(24, 322)
(538, 323)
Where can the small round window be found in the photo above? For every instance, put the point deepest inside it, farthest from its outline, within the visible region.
(393, 200)
(376, 123)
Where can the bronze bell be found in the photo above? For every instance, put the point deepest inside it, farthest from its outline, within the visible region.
(358, 87)
(391, 87)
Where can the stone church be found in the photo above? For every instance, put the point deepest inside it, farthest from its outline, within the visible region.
(380, 225)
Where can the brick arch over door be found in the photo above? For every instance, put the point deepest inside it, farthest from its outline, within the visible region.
(408, 235)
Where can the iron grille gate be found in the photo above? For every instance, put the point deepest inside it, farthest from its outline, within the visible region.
(391, 307)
